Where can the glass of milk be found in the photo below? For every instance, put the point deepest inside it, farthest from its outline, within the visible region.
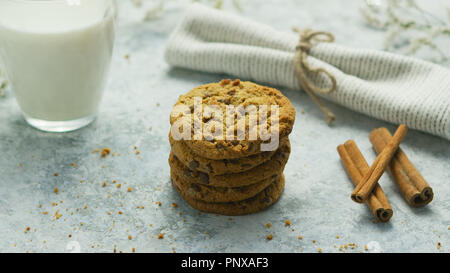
(56, 55)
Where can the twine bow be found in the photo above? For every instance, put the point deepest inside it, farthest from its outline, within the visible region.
(302, 68)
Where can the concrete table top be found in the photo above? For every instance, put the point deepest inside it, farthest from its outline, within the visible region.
(89, 217)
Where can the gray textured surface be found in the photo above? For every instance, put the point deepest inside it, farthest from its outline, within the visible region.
(139, 96)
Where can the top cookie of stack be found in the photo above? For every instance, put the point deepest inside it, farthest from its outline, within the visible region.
(234, 93)
(216, 171)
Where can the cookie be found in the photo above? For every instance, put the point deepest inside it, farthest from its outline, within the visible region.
(271, 167)
(211, 194)
(217, 167)
(257, 203)
(225, 94)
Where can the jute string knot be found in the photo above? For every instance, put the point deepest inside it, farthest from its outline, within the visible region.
(302, 68)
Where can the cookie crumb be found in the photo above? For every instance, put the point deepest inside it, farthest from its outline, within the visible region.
(337, 237)
(314, 241)
(160, 236)
(119, 185)
(225, 82)
(120, 212)
(133, 250)
(105, 152)
(130, 189)
(27, 229)
(300, 237)
(175, 205)
(366, 248)
(287, 223)
(130, 237)
(159, 203)
(268, 225)
(438, 245)
(269, 237)
(73, 165)
(57, 215)
(319, 250)
(56, 190)
(104, 184)
(55, 174)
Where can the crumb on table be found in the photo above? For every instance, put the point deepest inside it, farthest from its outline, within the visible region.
(269, 237)
(105, 152)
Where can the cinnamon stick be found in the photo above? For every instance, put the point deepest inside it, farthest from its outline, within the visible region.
(356, 166)
(370, 179)
(412, 185)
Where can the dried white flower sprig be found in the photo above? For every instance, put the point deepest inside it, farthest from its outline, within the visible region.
(159, 5)
(409, 28)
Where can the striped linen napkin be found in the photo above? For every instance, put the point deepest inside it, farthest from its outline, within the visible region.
(379, 84)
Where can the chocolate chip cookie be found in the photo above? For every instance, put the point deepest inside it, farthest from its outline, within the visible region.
(271, 167)
(257, 203)
(216, 143)
(211, 194)
(218, 167)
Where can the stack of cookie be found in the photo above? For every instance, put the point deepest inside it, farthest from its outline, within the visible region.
(223, 176)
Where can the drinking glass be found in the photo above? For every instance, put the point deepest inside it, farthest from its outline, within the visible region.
(56, 55)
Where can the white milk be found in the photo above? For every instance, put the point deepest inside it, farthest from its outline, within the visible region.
(56, 56)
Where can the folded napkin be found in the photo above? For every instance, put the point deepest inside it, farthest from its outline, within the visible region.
(379, 84)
